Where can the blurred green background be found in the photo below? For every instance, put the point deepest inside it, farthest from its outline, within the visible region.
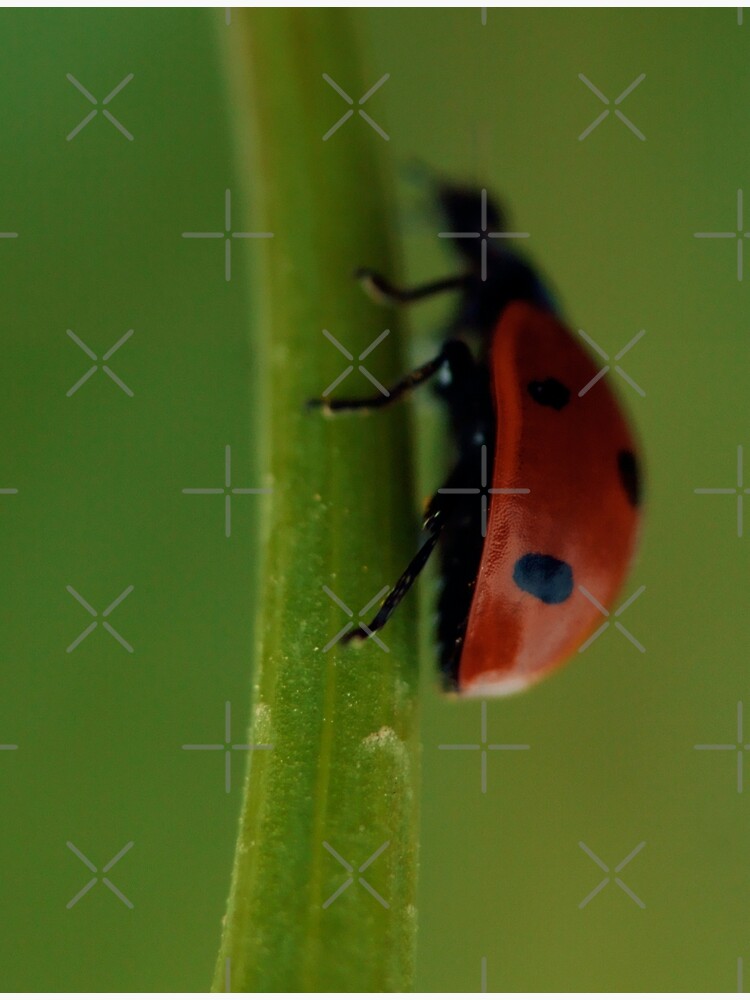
(100, 507)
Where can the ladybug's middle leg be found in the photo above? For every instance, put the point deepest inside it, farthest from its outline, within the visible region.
(455, 354)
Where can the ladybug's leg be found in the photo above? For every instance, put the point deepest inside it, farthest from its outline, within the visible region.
(455, 354)
(439, 510)
(434, 525)
(380, 289)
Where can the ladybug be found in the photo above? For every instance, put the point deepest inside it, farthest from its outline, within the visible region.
(541, 510)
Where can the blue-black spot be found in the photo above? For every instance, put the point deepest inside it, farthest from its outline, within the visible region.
(549, 392)
(544, 577)
(630, 477)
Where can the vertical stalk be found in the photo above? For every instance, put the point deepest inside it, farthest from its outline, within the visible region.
(342, 721)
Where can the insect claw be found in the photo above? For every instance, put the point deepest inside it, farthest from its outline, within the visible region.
(320, 403)
(357, 636)
(374, 285)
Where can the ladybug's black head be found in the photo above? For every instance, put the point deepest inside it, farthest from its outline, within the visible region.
(469, 210)
(473, 223)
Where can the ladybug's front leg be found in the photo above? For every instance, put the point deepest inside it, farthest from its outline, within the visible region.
(381, 290)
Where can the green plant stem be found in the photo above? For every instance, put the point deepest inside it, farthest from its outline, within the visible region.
(344, 767)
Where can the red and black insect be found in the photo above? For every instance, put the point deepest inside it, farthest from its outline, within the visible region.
(562, 506)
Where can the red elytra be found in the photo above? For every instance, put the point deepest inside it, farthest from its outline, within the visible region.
(578, 463)
(530, 557)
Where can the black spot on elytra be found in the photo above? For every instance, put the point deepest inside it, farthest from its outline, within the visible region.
(549, 392)
(544, 577)
(630, 477)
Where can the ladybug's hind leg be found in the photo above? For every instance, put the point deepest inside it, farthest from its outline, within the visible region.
(442, 508)
(403, 585)
(440, 512)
